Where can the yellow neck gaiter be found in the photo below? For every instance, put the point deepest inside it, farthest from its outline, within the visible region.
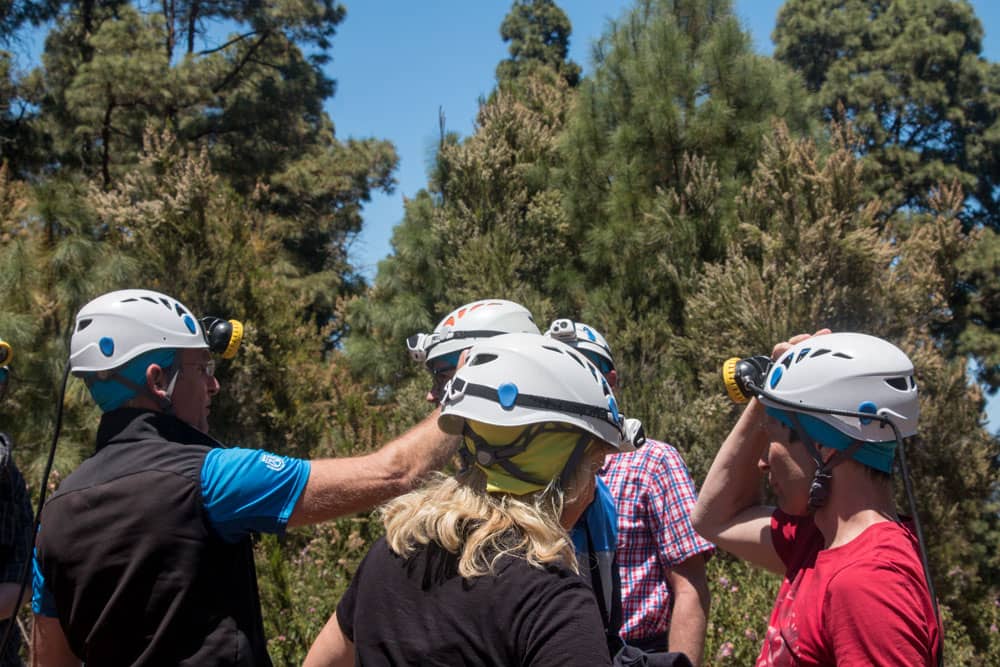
(549, 447)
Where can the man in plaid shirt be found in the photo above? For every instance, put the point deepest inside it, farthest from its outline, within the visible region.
(661, 559)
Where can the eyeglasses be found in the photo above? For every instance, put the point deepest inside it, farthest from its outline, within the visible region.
(207, 369)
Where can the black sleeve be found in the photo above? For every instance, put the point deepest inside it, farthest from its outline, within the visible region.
(346, 606)
(15, 524)
(564, 625)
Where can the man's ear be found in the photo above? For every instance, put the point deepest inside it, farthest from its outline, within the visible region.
(156, 380)
(612, 378)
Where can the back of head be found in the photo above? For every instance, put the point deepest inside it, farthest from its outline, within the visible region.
(847, 372)
(118, 334)
(119, 326)
(534, 414)
(467, 325)
(523, 379)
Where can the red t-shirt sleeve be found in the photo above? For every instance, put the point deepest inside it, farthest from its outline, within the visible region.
(872, 619)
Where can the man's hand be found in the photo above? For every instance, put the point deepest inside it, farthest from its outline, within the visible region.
(785, 346)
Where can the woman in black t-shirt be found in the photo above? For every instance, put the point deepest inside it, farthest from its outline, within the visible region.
(477, 568)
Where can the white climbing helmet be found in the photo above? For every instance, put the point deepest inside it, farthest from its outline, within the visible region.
(852, 372)
(464, 326)
(118, 326)
(520, 379)
(586, 339)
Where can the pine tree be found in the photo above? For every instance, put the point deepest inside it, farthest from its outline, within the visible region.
(538, 35)
(911, 77)
(491, 222)
(664, 133)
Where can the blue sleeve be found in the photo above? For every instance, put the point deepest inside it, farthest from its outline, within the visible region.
(250, 490)
(42, 602)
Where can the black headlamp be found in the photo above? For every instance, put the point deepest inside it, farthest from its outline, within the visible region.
(223, 336)
(744, 378)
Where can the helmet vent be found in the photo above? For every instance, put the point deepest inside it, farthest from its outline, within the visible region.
(180, 311)
(842, 355)
(553, 349)
(165, 302)
(83, 324)
(819, 352)
(898, 383)
(481, 359)
(149, 299)
(129, 300)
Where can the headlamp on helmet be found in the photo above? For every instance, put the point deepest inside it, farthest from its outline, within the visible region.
(463, 327)
(222, 336)
(586, 339)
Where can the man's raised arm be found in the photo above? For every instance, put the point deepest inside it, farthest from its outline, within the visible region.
(729, 511)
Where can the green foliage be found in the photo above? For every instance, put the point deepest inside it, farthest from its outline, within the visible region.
(662, 135)
(742, 597)
(493, 227)
(910, 77)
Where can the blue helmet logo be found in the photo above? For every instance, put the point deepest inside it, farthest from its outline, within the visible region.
(507, 394)
(870, 408)
(107, 346)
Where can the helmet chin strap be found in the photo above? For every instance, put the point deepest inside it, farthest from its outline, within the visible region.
(819, 488)
(165, 403)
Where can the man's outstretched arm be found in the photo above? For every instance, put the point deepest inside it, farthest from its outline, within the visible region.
(341, 486)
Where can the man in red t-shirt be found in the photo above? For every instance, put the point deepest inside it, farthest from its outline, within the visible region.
(854, 590)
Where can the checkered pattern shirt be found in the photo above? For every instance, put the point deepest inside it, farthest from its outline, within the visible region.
(654, 495)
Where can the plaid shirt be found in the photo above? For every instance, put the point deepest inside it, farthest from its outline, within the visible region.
(654, 494)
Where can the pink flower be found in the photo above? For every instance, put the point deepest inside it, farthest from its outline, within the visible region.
(726, 650)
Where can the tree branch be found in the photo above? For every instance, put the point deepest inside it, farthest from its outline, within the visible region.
(238, 38)
(247, 56)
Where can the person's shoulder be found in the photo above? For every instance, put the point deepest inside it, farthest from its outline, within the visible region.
(884, 553)
(531, 578)
(654, 454)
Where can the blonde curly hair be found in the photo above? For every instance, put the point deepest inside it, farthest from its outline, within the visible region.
(458, 514)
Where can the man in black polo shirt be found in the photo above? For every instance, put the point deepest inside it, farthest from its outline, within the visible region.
(144, 554)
